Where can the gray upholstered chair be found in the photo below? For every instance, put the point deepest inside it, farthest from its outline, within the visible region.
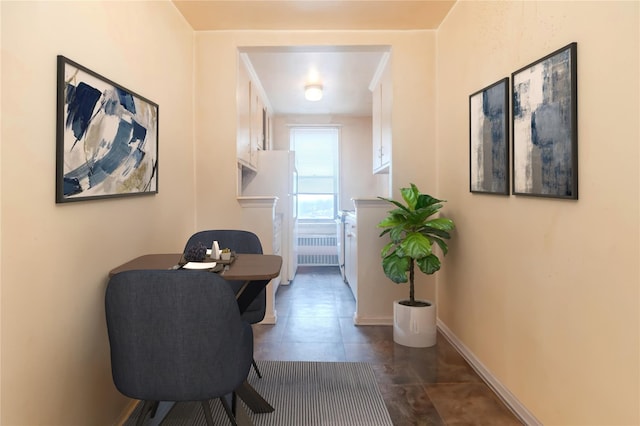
(239, 241)
(176, 336)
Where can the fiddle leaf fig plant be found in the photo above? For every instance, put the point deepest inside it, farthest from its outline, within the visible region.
(413, 232)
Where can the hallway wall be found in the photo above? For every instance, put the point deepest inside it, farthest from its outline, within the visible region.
(55, 258)
(545, 292)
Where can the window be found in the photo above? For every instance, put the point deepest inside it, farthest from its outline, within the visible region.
(316, 151)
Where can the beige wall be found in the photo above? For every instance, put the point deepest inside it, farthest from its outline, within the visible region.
(545, 292)
(55, 258)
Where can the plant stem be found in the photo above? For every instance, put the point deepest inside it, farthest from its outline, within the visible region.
(412, 299)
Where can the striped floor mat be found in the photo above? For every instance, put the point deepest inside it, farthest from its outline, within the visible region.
(303, 394)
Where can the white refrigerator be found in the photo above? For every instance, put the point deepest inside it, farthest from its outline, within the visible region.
(276, 175)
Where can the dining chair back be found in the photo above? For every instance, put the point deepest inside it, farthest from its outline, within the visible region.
(176, 336)
(238, 241)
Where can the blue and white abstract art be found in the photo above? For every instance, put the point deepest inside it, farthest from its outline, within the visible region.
(488, 139)
(545, 127)
(107, 137)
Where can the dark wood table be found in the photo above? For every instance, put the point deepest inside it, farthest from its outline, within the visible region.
(256, 270)
(245, 267)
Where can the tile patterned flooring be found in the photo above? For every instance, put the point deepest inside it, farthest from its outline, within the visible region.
(420, 386)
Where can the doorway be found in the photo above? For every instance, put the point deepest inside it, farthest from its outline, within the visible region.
(345, 74)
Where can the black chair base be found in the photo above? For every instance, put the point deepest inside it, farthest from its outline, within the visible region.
(227, 409)
(147, 407)
(255, 367)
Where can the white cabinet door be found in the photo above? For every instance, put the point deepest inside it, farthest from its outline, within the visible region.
(351, 255)
(386, 104)
(376, 131)
(257, 124)
(382, 104)
(243, 98)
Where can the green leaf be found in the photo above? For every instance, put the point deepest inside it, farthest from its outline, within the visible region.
(386, 231)
(410, 196)
(442, 244)
(396, 268)
(386, 249)
(394, 202)
(441, 223)
(428, 211)
(431, 232)
(429, 264)
(391, 220)
(425, 200)
(416, 245)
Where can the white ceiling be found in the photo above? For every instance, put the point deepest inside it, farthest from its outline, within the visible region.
(344, 71)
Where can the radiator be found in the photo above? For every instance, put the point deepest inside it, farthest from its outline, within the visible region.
(317, 250)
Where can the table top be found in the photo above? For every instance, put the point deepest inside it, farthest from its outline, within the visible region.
(245, 267)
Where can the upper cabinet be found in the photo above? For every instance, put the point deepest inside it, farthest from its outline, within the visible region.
(253, 116)
(382, 89)
(245, 152)
(257, 121)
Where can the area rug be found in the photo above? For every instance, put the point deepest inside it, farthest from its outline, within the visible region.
(303, 394)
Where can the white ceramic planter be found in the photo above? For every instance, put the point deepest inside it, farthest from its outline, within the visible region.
(414, 326)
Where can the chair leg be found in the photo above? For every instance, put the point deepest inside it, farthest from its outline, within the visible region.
(147, 406)
(255, 367)
(207, 412)
(227, 410)
(154, 409)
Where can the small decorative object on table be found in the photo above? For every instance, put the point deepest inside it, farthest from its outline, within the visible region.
(195, 253)
(225, 254)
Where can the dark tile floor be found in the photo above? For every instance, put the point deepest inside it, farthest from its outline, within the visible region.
(421, 386)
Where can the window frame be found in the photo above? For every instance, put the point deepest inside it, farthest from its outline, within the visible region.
(335, 129)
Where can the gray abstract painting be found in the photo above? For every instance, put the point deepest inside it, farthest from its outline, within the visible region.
(488, 136)
(545, 127)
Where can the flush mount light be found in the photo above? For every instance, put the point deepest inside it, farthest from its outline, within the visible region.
(313, 92)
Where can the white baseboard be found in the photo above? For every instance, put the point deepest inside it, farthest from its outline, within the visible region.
(518, 409)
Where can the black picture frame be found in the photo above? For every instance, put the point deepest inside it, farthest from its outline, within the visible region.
(545, 126)
(106, 137)
(489, 139)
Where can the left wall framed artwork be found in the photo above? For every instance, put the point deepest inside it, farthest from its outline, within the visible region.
(107, 137)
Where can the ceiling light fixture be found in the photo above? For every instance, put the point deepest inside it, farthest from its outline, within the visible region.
(313, 92)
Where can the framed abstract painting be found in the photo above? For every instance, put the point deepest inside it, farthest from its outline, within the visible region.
(489, 139)
(545, 126)
(107, 137)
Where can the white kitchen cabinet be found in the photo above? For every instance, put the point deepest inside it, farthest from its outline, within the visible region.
(351, 253)
(382, 103)
(245, 150)
(257, 122)
(253, 118)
